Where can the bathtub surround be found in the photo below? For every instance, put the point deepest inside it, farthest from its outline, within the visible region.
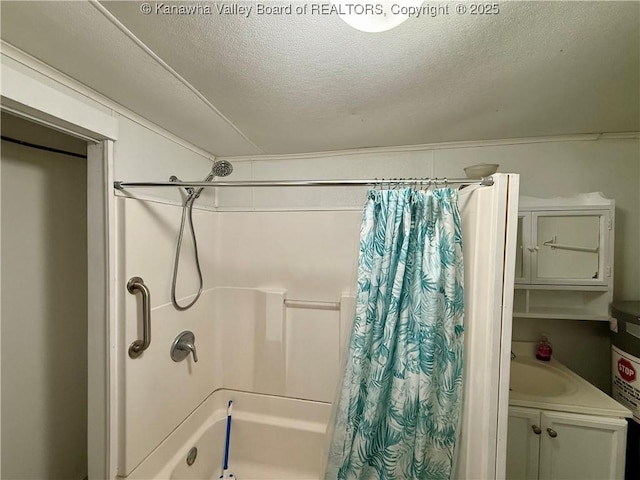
(254, 340)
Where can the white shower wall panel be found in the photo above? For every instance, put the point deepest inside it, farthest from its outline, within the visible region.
(247, 338)
(340, 165)
(147, 240)
(310, 255)
(313, 356)
(306, 256)
(156, 393)
(282, 351)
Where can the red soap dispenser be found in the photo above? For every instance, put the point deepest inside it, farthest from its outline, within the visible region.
(544, 349)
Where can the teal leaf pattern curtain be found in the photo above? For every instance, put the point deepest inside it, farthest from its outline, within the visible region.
(398, 411)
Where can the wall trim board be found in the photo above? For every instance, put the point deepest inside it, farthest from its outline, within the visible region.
(32, 63)
(506, 331)
(428, 147)
(102, 328)
(28, 97)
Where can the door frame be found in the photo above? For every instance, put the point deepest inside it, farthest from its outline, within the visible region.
(27, 93)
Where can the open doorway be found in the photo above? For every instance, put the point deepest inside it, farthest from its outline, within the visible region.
(44, 302)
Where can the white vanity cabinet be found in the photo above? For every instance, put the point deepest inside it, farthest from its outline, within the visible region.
(523, 443)
(564, 259)
(551, 445)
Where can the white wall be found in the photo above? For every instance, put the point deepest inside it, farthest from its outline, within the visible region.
(145, 155)
(547, 169)
(44, 305)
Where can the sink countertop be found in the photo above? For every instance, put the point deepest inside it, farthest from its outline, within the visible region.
(580, 397)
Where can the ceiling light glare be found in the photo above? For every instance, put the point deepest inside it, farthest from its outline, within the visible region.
(376, 17)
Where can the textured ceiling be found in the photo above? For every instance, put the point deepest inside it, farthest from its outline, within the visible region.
(294, 83)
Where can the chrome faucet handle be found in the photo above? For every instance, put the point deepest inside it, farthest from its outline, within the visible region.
(183, 345)
(188, 347)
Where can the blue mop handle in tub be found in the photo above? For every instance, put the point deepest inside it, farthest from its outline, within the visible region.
(225, 467)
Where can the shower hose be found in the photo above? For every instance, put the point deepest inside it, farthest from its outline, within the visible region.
(220, 168)
(187, 212)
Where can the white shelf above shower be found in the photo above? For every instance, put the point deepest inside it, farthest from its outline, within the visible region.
(566, 313)
(573, 283)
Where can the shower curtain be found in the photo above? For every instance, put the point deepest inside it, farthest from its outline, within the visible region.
(396, 416)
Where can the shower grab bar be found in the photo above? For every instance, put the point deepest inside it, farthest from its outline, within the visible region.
(312, 305)
(134, 285)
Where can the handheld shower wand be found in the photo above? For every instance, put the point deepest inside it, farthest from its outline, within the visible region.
(221, 168)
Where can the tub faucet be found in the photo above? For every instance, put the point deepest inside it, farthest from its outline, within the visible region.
(183, 345)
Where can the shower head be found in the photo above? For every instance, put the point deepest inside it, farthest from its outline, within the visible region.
(221, 168)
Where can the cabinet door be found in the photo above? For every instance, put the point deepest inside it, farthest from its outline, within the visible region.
(523, 248)
(523, 443)
(581, 447)
(570, 247)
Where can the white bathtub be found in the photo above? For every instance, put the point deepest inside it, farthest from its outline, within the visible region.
(274, 438)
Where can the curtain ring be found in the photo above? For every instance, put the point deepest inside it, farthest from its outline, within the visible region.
(446, 182)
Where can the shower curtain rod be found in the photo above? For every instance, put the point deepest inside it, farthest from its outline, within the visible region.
(485, 181)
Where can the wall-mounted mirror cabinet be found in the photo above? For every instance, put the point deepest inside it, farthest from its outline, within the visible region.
(564, 260)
